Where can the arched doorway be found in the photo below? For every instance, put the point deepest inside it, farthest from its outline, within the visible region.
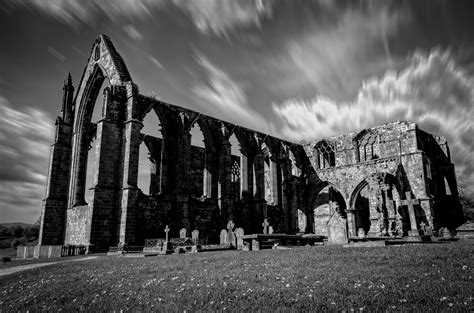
(375, 204)
(326, 200)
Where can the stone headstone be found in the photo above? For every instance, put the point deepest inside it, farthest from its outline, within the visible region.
(265, 225)
(182, 233)
(445, 232)
(223, 237)
(167, 230)
(239, 234)
(301, 221)
(230, 225)
(231, 239)
(195, 235)
(337, 229)
(270, 230)
(361, 233)
(429, 231)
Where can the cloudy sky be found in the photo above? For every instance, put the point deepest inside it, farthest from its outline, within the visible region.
(299, 70)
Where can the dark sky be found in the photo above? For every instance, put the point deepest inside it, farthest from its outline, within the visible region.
(300, 70)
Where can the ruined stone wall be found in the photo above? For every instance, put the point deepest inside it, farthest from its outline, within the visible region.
(196, 188)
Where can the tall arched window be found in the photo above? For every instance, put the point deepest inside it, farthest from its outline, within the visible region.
(325, 156)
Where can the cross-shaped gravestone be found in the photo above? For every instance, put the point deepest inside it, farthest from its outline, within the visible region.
(265, 226)
(411, 209)
(230, 225)
(423, 226)
(167, 231)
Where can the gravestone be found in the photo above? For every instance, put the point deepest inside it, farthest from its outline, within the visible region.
(231, 240)
(239, 234)
(411, 212)
(337, 229)
(223, 237)
(445, 233)
(167, 245)
(361, 233)
(195, 236)
(182, 233)
(265, 225)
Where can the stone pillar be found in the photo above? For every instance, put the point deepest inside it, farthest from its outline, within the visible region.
(166, 166)
(310, 221)
(274, 181)
(183, 178)
(54, 206)
(259, 191)
(244, 175)
(79, 166)
(131, 145)
(374, 230)
(208, 173)
(224, 185)
(351, 222)
(107, 163)
(285, 193)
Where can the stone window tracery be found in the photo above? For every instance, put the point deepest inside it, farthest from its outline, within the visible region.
(325, 156)
(235, 170)
(368, 148)
(235, 179)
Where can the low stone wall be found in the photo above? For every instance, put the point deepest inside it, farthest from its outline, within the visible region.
(28, 252)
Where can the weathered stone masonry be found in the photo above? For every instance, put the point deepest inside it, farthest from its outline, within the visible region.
(362, 176)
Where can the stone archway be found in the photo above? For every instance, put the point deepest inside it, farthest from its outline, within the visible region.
(327, 199)
(375, 205)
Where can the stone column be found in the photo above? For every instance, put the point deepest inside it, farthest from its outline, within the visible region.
(224, 185)
(131, 145)
(207, 174)
(79, 166)
(183, 178)
(351, 222)
(374, 230)
(274, 181)
(285, 192)
(107, 162)
(259, 191)
(54, 206)
(244, 175)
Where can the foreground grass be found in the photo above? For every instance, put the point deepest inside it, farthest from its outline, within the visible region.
(427, 277)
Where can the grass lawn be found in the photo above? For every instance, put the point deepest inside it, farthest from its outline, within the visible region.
(435, 277)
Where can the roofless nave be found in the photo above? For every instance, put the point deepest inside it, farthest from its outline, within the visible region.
(362, 178)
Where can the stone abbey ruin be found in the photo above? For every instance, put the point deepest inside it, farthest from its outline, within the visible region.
(387, 181)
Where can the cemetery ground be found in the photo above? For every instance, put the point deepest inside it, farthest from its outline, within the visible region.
(435, 277)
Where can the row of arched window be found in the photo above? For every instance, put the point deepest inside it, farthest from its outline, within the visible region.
(367, 148)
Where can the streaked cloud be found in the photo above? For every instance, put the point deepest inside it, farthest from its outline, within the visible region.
(132, 32)
(58, 55)
(24, 150)
(227, 98)
(432, 90)
(87, 12)
(220, 16)
(334, 55)
(209, 16)
(155, 62)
